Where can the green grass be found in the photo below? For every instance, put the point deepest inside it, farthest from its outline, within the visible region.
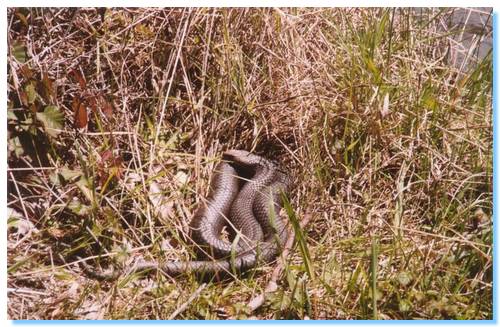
(388, 144)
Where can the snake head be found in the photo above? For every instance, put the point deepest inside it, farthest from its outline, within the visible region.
(245, 163)
(242, 158)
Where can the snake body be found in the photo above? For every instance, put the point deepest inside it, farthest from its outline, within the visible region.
(245, 194)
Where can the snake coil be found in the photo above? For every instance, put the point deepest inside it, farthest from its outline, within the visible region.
(246, 195)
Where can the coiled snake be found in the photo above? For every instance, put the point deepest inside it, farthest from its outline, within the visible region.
(245, 194)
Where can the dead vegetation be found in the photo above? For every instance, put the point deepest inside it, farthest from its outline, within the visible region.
(117, 116)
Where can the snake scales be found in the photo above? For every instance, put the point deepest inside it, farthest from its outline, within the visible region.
(245, 194)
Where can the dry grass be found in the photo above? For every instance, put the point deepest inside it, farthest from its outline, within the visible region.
(388, 145)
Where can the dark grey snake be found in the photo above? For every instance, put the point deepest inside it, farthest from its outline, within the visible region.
(246, 194)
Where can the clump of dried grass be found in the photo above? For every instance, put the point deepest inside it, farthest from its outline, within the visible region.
(389, 147)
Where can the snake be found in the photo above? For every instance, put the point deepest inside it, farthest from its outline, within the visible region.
(246, 194)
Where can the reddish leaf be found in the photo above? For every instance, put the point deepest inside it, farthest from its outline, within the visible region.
(110, 167)
(81, 118)
(33, 108)
(74, 104)
(77, 76)
(48, 89)
(109, 160)
(23, 98)
(107, 107)
(106, 156)
(92, 101)
(26, 72)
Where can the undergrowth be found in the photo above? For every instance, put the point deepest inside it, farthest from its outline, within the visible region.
(116, 118)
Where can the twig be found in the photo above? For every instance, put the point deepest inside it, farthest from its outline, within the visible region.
(280, 100)
(19, 195)
(31, 168)
(185, 304)
(25, 291)
(271, 287)
(110, 254)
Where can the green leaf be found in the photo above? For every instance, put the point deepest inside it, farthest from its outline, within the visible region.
(291, 278)
(404, 278)
(14, 145)
(404, 305)
(52, 120)
(85, 187)
(19, 52)
(430, 101)
(64, 276)
(233, 253)
(64, 175)
(11, 115)
(19, 262)
(69, 174)
(172, 142)
(372, 67)
(31, 93)
(13, 218)
(374, 264)
(353, 144)
(79, 208)
(122, 253)
(300, 236)
(352, 285)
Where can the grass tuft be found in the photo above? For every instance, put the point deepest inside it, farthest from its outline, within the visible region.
(381, 117)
